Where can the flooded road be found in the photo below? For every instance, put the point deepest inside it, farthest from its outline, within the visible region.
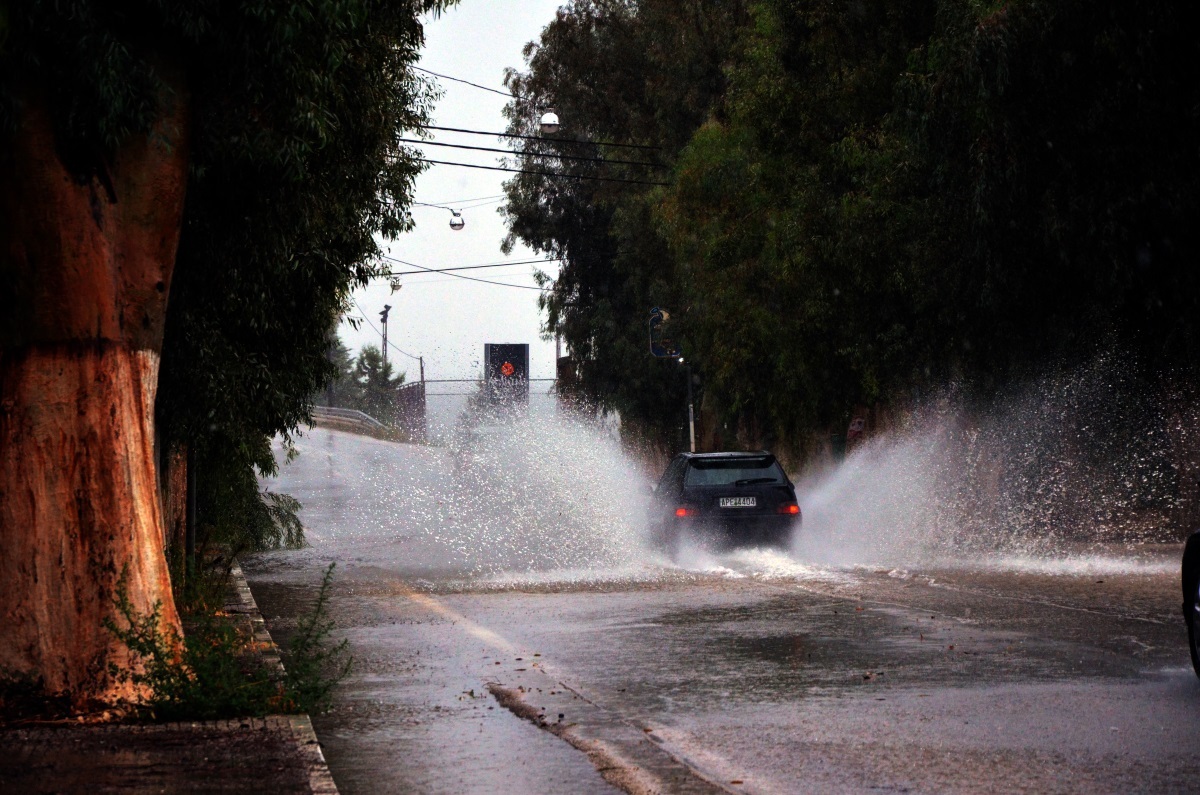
(513, 632)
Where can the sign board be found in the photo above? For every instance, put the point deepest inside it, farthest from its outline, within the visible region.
(506, 372)
(661, 344)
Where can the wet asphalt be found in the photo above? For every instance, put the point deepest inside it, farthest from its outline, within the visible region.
(497, 651)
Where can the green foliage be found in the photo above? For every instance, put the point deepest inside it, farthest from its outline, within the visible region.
(235, 513)
(214, 674)
(799, 309)
(102, 84)
(216, 671)
(374, 385)
(295, 114)
(1057, 140)
(340, 390)
(613, 70)
(366, 383)
(297, 170)
(867, 200)
(314, 666)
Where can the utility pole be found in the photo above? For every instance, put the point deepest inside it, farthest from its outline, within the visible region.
(383, 318)
(691, 410)
(331, 358)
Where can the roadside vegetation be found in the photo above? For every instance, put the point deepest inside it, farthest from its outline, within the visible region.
(865, 202)
(217, 669)
(230, 170)
(214, 669)
(365, 382)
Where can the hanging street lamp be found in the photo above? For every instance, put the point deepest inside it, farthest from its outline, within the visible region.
(549, 122)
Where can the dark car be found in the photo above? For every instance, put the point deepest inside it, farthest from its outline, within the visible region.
(724, 499)
(1191, 596)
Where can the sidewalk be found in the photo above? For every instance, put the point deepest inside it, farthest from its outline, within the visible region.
(278, 754)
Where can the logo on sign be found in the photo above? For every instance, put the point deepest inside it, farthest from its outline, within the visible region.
(507, 369)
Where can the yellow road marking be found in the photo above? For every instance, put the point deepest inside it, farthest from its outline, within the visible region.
(476, 630)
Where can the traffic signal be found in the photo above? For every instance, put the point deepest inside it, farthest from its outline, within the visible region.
(506, 372)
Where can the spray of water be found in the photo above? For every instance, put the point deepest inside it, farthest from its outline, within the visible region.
(531, 497)
(1071, 475)
(546, 493)
(1053, 478)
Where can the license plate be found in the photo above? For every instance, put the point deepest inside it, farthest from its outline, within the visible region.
(737, 502)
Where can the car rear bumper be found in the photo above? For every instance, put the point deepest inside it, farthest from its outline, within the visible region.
(743, 531)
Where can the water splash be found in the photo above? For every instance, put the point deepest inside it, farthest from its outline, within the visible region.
(547, 492)
(538, 496)
(1073, 475)
(1067, 469)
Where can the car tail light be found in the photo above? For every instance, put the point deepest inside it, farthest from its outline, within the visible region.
(685, 511)
(788, 508)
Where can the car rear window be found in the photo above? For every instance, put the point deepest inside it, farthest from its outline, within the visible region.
(729, 471)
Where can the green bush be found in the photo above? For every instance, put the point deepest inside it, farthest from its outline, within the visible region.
(216, 672)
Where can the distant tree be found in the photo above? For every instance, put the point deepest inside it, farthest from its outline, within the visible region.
(639, 72)
(375, 386)
(340, 390)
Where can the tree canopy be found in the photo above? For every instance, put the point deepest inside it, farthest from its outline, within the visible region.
(190, 190)
(296, 110)
(864, 200)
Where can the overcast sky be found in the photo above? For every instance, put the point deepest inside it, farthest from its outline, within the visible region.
(446, 319)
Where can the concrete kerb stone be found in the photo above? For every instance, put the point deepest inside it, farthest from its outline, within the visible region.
(319, 778)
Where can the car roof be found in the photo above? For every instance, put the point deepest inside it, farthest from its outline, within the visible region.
(750, 454)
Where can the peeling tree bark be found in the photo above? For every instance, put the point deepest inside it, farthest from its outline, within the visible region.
(85, 269)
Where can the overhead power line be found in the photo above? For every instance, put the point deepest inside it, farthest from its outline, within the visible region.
(539, 138)
(483, 204)
(459, 207)
(534, 154)
(375, 328)
(541, 173)
(470, 267)
(468, 201)
(460, 276)
(468, 82)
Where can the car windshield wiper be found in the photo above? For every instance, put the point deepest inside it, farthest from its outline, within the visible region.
(750, 481)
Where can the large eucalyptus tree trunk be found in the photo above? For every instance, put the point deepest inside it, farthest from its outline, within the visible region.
(87, 246)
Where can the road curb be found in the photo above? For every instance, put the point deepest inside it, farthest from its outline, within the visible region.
(320, 780)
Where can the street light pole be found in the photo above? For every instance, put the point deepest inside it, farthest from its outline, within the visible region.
(691, 410)
(383, 316)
